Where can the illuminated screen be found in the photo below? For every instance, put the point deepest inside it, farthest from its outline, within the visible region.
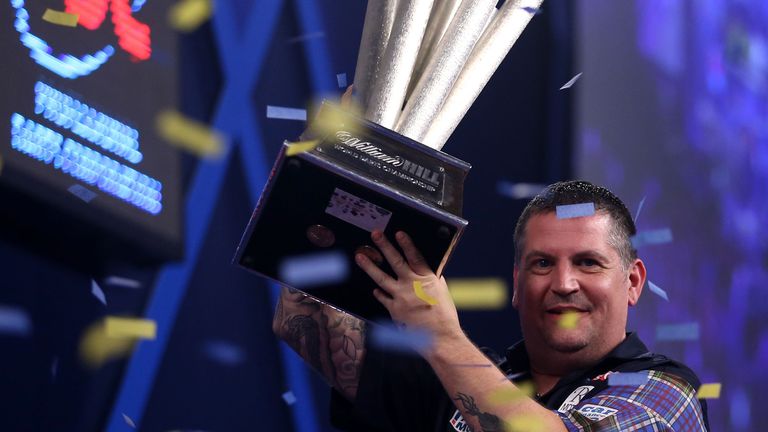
(82, 83)
(674, 110)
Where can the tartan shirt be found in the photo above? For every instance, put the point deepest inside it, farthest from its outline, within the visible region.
(402, 393)
(585, 402)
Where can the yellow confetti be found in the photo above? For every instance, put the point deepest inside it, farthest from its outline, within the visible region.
(486, 293)
(524, 423)
(131, 328)
(96, 347)
(189, 134)
(187, 15)
(60, 18)
(300, 147)
(419, 290)
(709, 391)
(331, 119)
(507, 394)
(569, 320)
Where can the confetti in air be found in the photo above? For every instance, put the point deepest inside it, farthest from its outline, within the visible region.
(122, 282)
(341, 80)
(652, 237)
(627, 378)
(60, 18)
(475, 294)
(678, 332)
(96, 347)
(305, 37)
(82, 192)
(224, 352)
(323, 268)
(568, 320)
(119, 327)
(98, 293)
(657, 290)
(639, 208)
(572, 81)
(129, 421)
(285, 113)
(575, 210)
(289, 397)
(187, 15)
(14, 321)
(421, 294)
(506, 394)
(524, 423)
(190, 135)
(387, 337)
(709, 391)
(300, 147)
(519, 190)
(532, 10)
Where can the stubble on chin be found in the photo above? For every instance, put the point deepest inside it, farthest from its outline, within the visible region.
(566, 343)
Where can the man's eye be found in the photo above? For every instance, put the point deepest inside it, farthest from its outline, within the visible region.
(588, 262)
(542, 263)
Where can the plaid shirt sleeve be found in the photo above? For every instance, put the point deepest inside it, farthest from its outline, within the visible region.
(664, 403)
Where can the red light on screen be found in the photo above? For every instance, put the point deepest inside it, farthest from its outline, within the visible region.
(132, 36)
(91, 12)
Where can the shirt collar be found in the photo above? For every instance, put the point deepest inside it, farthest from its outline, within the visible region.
(630, 348)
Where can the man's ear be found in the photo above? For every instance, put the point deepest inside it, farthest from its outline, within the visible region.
(637, 275)
(515, 289)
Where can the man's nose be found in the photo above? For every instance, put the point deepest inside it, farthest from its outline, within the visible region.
(564, 281)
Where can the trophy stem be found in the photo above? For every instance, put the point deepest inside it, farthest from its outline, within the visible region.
(493, 46)
(379, 17)
(442, 14)
(444, 67)
(394, 72)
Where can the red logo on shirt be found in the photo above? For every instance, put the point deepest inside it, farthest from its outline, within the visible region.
(602, 377)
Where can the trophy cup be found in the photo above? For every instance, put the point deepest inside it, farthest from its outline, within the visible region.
(421, 65)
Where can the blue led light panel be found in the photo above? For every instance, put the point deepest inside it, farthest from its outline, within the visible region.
(78, 109)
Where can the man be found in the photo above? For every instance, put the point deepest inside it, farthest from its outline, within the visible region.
(574, 279)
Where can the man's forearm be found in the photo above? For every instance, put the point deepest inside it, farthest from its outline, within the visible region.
(471, 389)
(329, 340)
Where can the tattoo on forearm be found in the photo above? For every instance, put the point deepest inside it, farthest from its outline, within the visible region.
(300, 327)
(330, 341)
(488, 422)
(279, 312)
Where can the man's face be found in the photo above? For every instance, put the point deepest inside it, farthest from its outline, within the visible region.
(569, 268)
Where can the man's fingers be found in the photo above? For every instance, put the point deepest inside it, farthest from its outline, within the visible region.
(378, 275)
(391, 254)
(383, 298)
(415, 260)
(348, 97)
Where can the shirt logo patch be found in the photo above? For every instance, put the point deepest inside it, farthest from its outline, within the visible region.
(596, 412)
(574, 398)
(458, 422)
(603, 377)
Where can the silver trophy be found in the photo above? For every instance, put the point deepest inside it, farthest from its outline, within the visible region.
(421, 65)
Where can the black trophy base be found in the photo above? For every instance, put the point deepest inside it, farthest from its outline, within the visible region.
(313, 218)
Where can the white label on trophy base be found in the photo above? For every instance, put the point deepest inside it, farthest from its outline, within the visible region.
(357, 211)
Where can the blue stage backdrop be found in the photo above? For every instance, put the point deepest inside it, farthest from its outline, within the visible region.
(672, 115)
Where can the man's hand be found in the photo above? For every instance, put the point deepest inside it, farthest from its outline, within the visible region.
(399, 295)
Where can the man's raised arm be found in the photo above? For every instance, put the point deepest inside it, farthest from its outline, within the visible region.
(329, 340)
